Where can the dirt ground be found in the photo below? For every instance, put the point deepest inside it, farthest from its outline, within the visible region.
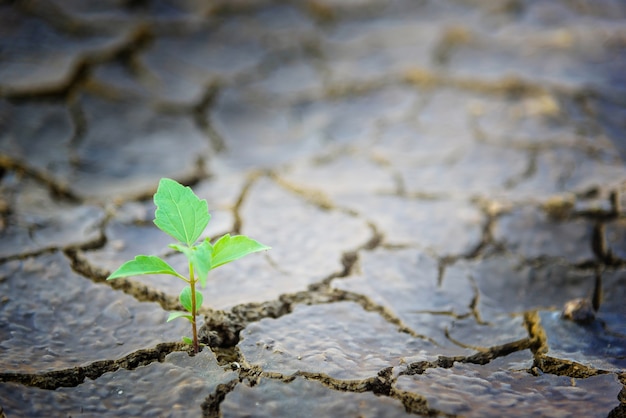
(439, 182)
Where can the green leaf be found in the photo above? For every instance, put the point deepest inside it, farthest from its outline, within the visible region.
(200, 256)
(187, 340)
(185, 298)
(183, 249)
(203, 260)
(174, 315)
(180, 213)
(228, 249)
(144, 264)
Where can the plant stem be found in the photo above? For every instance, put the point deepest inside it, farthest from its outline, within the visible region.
(192, 284)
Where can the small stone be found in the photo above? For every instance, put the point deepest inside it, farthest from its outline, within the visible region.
(579, 310)
(559, 207)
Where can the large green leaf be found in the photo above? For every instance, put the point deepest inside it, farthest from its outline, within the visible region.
(144, 264)
(200, 257)
(228, 249)
(180, 213)
(185, 298)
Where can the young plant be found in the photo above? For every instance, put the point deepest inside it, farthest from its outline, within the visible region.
(182, 215)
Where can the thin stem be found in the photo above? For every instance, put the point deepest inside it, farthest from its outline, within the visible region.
(192, 284)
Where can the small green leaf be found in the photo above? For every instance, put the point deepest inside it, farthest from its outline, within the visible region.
(228, 249)
(187, 340)
(200, 257)
(144, 264)
(182, 248)
(174, 315)
(180, 213)
(185, 298)
(202, 260)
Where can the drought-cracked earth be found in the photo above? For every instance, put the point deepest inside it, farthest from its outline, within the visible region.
(442, 184)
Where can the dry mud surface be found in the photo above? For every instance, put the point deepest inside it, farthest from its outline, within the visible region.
(437, 180)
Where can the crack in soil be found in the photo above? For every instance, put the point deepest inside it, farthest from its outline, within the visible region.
(57, 188)
(221, 330)
(76, 375)
(141, 292)
(543, 363)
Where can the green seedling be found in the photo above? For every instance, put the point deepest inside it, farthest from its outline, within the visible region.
(182, 215)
